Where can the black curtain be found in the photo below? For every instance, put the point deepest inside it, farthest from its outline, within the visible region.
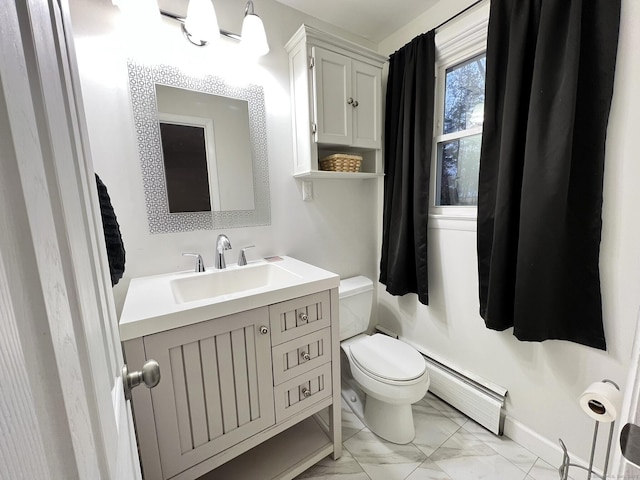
(408, 140)
(550, 66)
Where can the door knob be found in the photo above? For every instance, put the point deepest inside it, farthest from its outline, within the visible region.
(149, 375)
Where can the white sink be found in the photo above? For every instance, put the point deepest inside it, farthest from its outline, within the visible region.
(162, 302)
(216, 283)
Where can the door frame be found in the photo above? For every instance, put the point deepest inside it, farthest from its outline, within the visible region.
(59, 345)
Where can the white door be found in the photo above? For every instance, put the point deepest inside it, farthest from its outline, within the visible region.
(64, 413)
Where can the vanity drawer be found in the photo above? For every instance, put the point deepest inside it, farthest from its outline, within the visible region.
(295, 395)
(301, 316)
(298, 356)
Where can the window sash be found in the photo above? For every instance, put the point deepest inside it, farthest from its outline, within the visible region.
(456, 43)
(469, 132)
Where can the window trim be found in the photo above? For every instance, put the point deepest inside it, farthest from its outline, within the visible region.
(460, 40)
(206, 124)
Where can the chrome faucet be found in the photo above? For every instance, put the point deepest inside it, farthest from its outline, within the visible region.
(222, 244)
(199, 263)
(242, 258)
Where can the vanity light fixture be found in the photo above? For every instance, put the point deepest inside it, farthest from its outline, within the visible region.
(200, 27)
(254, 38)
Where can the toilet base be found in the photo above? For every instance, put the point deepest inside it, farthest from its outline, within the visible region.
(391, 422)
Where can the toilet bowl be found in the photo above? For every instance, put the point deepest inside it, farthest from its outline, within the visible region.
(382, 376)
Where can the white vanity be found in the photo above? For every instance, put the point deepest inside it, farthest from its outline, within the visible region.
(247, 355)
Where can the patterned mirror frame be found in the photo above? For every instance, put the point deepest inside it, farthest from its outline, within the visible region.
(142, 81)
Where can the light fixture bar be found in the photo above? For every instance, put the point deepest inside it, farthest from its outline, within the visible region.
(172, 15)
(234, 36)
(253, 39)
(181, 20)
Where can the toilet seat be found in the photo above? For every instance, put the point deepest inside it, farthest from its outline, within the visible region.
(388, 360)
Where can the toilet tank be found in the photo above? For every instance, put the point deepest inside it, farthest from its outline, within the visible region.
(356, 298)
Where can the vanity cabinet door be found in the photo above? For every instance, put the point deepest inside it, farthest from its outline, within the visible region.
(216, 388)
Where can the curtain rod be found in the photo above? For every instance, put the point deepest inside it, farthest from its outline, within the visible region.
(459, 13)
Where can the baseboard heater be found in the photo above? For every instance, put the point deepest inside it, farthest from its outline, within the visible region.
(478, 399)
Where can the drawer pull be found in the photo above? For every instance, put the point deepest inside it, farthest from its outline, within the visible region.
(303, 317)
(264, 330)
(306, 392)
(305, 356)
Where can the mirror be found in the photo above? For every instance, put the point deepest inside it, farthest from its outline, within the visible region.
(202, 148)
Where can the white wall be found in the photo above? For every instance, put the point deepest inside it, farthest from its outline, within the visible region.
(336, 231)
(544, 379)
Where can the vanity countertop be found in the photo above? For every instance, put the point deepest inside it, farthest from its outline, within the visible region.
(151, 305)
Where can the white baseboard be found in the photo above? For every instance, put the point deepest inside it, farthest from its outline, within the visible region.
(542, 447)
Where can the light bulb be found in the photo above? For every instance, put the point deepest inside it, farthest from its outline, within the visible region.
(201, 24)
(254, 38)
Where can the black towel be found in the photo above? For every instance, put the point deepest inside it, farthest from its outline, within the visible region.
(112, 236)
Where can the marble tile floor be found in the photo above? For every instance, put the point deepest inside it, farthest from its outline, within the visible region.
(448, 446)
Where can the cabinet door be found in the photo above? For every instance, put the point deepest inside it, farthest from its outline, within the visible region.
(367, 112)
(216, 387)
(332, 85)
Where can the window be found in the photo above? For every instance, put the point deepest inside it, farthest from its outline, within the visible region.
(460, 72)
(459, 145)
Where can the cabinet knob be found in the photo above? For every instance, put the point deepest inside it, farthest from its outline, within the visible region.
(305, 356)
(264, 330)
(355, 103)
(303, 317)
(350, 101)
(306, 392)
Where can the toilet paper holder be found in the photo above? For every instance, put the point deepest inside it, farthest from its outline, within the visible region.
(566, 459)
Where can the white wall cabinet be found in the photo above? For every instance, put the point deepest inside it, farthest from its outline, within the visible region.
(348, 100)
(233, 384)
(336, 99)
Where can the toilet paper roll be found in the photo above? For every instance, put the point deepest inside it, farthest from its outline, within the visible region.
(601, 401)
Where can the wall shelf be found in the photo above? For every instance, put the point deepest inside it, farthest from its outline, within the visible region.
(313, 174)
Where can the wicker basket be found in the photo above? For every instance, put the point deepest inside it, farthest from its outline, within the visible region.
(341, 162)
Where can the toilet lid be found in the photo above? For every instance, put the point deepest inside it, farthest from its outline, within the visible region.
(388, 358)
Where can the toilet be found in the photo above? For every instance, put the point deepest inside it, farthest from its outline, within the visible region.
(381, 376)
